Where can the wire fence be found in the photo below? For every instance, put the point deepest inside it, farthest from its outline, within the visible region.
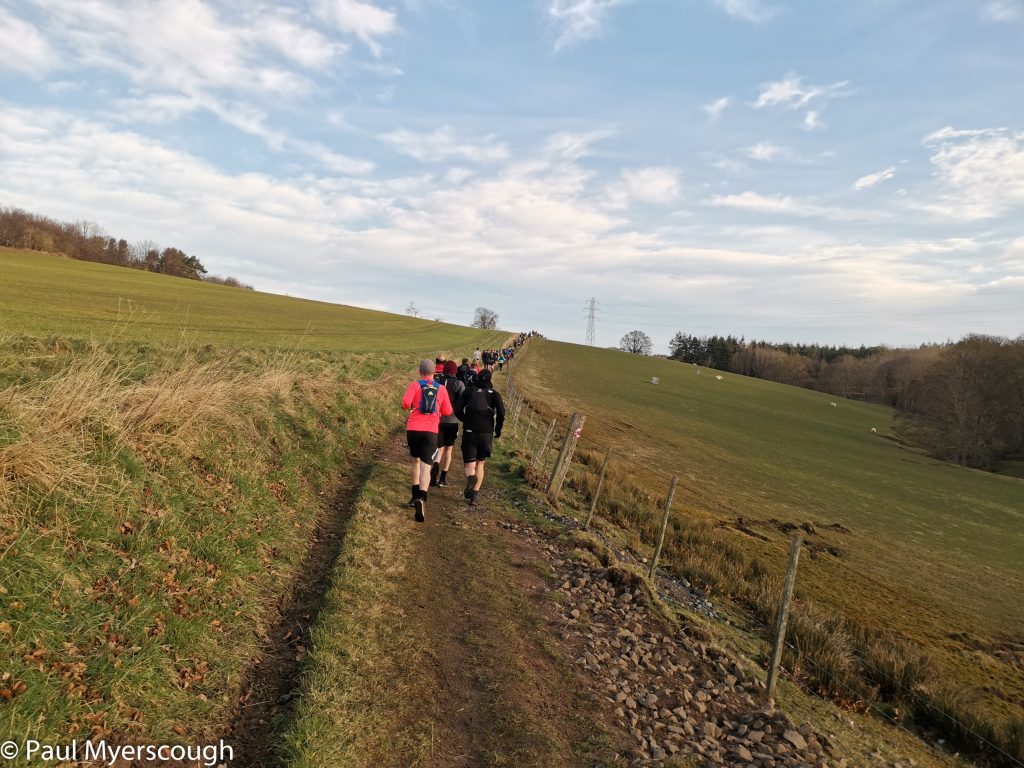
(557, 451)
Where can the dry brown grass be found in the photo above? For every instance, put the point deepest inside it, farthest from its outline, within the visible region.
(53, 429)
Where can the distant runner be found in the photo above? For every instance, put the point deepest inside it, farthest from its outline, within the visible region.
(448, 431)
(427, 402)
(482, 413)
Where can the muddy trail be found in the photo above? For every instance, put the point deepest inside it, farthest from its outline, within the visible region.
(500, 682)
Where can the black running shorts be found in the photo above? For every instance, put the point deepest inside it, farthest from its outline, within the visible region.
(476, 446)
(422, 445)
(448, 434)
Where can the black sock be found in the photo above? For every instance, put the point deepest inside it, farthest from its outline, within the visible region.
(415, 490)
(423, 495)
(444, 474)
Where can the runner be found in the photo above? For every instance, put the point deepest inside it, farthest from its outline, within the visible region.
(482, 412)
(465, 373)
(427, 403)
(448, 430)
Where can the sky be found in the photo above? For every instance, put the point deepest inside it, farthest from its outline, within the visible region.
(839, 172)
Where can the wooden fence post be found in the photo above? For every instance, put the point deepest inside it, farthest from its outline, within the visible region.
(572, 434)
(567, 462)
(542, 455)
(783, 618)
(526, 437)
(664, 525)
(597, 491)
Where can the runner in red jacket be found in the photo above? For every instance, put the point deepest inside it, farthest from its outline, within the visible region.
(421, 432)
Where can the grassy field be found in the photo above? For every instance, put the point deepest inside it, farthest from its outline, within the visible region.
(932, 551)
(162, 473)
(44, 295)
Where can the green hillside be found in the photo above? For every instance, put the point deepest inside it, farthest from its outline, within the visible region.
(931, 549)
(171, 453)
(46, 295)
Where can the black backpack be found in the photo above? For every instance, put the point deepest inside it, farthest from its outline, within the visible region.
(480, 401)
(449, 384)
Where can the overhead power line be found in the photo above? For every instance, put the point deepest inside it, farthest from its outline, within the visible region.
(592, 313)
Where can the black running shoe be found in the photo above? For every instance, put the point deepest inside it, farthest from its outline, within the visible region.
(473, 497)
(442, 481)
(420, 507)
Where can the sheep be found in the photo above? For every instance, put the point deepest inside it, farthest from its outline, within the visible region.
(834, 405)
(874, 431)
(719, 378)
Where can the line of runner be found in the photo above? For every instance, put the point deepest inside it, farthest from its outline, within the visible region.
(445, 395)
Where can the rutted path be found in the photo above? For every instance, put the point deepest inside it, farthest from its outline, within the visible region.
(501, 697)
(266, 706)
(494, 638)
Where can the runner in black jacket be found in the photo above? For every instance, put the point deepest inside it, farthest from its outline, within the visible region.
(482, 413)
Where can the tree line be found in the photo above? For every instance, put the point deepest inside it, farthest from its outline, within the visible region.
(86, 241)
(964, 399)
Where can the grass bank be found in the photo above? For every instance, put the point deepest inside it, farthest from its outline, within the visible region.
(153, 507)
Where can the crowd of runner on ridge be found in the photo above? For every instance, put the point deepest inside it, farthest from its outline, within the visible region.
(446, 395)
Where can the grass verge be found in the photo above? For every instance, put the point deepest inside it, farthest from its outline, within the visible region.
(154, 506)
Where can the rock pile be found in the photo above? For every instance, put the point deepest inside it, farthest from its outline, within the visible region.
(674, 695)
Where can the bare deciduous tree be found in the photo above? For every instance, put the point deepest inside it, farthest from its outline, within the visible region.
(485, 318)
(636, 342)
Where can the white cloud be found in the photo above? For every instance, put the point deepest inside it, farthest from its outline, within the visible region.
(572, 145)
(979, 172)
(792, 93)
(188, 46)
(304, 45)
(792, 206)
(578, 20)
(716, 107)
(812, 120)
(754, 11)
(365, 20)
(652, 184)
(866, 182)
(753, 201)
(764, 151)
(1002, 10)
(443, 144)
(25, 49)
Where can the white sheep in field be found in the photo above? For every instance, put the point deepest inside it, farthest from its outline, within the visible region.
(874, 431)
(834, 405)
(719, 378)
